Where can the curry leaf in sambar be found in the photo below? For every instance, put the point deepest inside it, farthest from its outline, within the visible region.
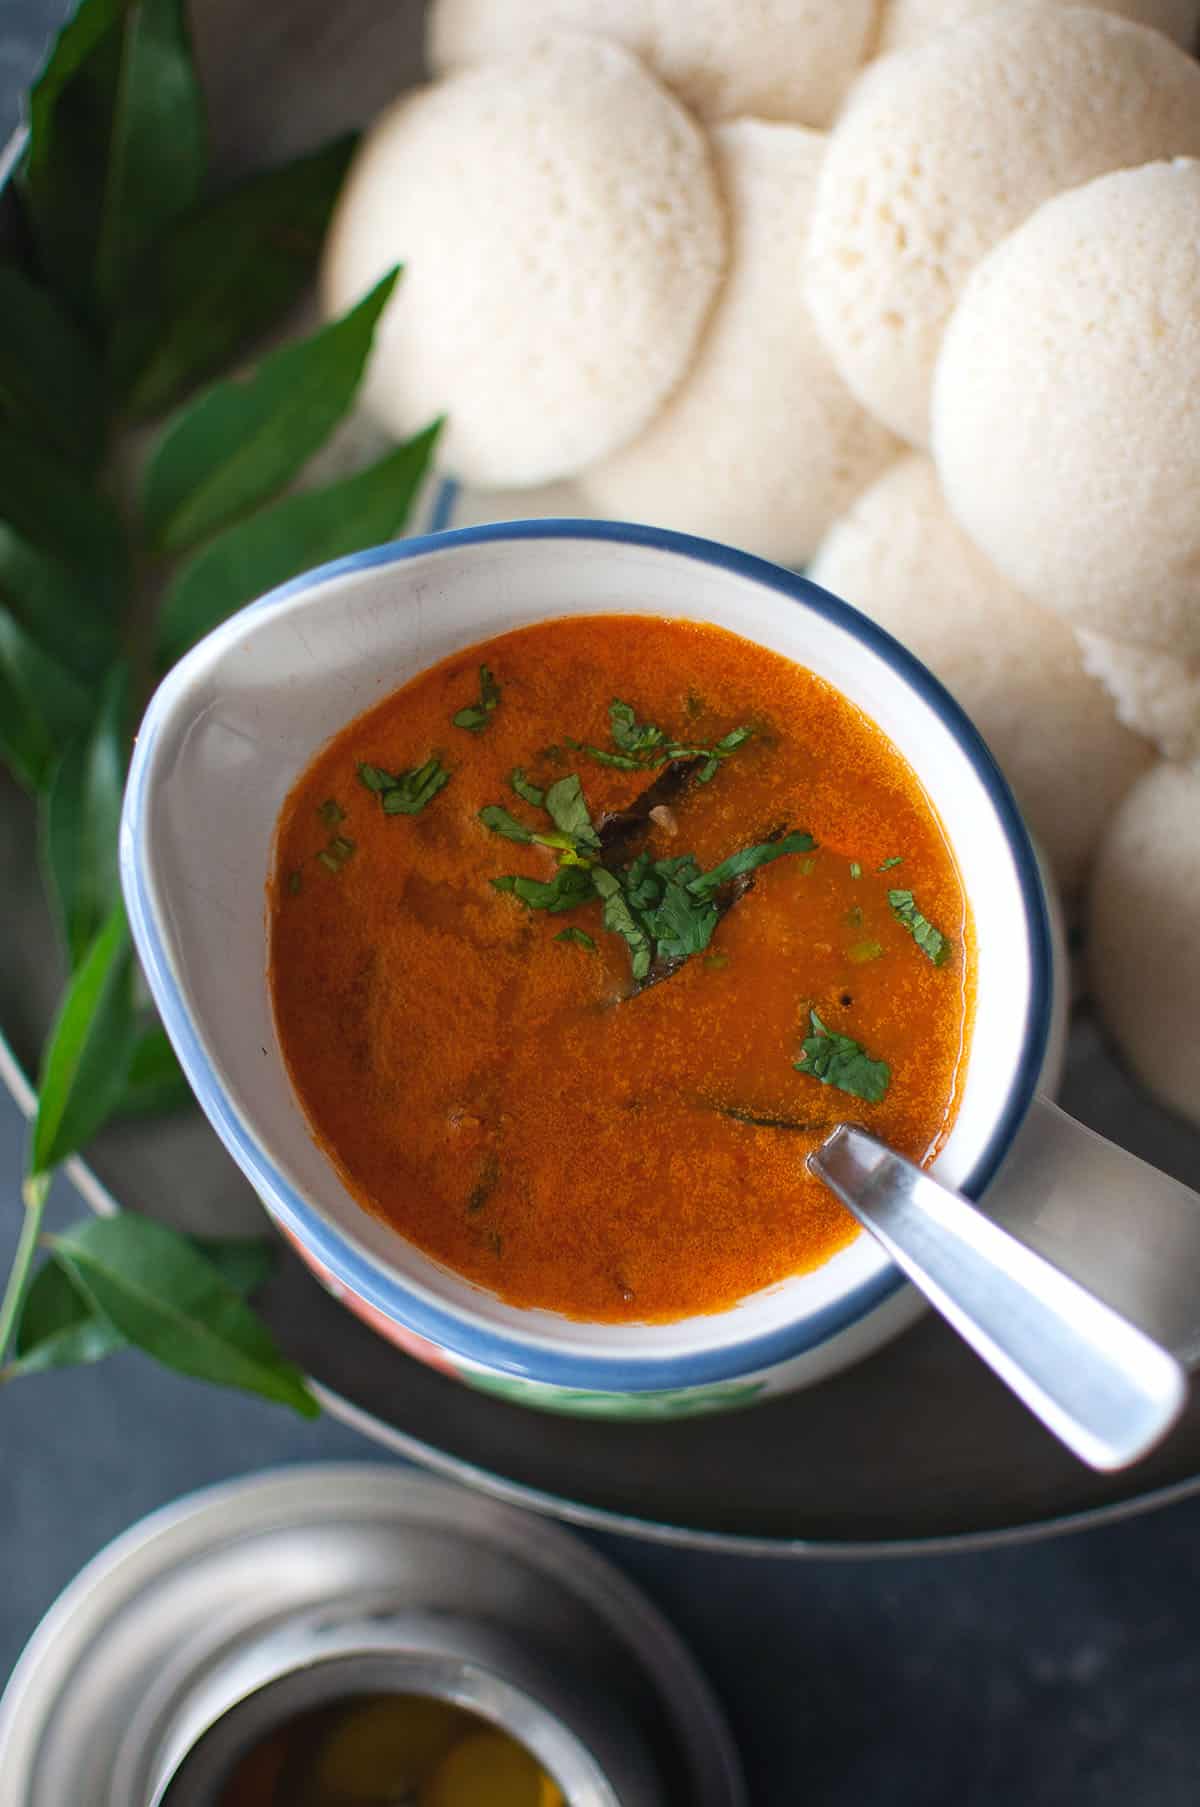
(290, 536)
(239, 443)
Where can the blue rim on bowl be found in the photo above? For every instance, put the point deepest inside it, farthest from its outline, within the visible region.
(361, 1273)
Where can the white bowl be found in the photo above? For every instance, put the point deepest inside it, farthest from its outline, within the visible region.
(241, 716)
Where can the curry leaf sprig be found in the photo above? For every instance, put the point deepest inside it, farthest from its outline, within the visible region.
(138, 280)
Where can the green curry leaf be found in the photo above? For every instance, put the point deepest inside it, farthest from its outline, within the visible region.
(51, 506)
(51, 388)
(155, 1084)
(59, 1328)
(289, 537)
(65, 612)
(221, 275)
(244, 439)
(118, 148)
(165, 1297)
(42, 706)
(87, 1056)
(80, 816)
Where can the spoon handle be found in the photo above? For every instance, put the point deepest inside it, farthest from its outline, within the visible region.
(1099, 1383)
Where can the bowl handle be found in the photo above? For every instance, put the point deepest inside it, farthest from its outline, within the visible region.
(1122, 1228)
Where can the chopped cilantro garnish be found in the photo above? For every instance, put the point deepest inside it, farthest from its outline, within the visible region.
(619, 920)
(855, 869)
(863, 951)
(376, 779)
(839, 1061)
(897, 859)
(294, 883)
(567, 809)
(475, 717)
(748, 859)
(570, 887)
(500, 822)
(628, 733)
(664, 910)
(334, 856)
(575, 838)
(931, 941)
(580, 937)
(331, 812)
(642, 744)
(523, 788)
(405, 793)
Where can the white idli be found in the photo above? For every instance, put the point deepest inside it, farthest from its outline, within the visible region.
(1143, 952)
(1066, 429)
(562, 236)
(777, 59)
(762, 444)
(905, 23)
(900, 557)
(942, 150)
(1154, 693)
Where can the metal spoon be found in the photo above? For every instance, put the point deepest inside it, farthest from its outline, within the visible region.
(1105, 1389)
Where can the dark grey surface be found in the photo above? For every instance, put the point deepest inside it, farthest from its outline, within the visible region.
(1059, 1674)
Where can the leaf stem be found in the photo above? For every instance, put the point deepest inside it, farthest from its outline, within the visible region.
(34, 1192)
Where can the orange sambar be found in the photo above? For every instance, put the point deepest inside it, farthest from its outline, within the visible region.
(515, 1103)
